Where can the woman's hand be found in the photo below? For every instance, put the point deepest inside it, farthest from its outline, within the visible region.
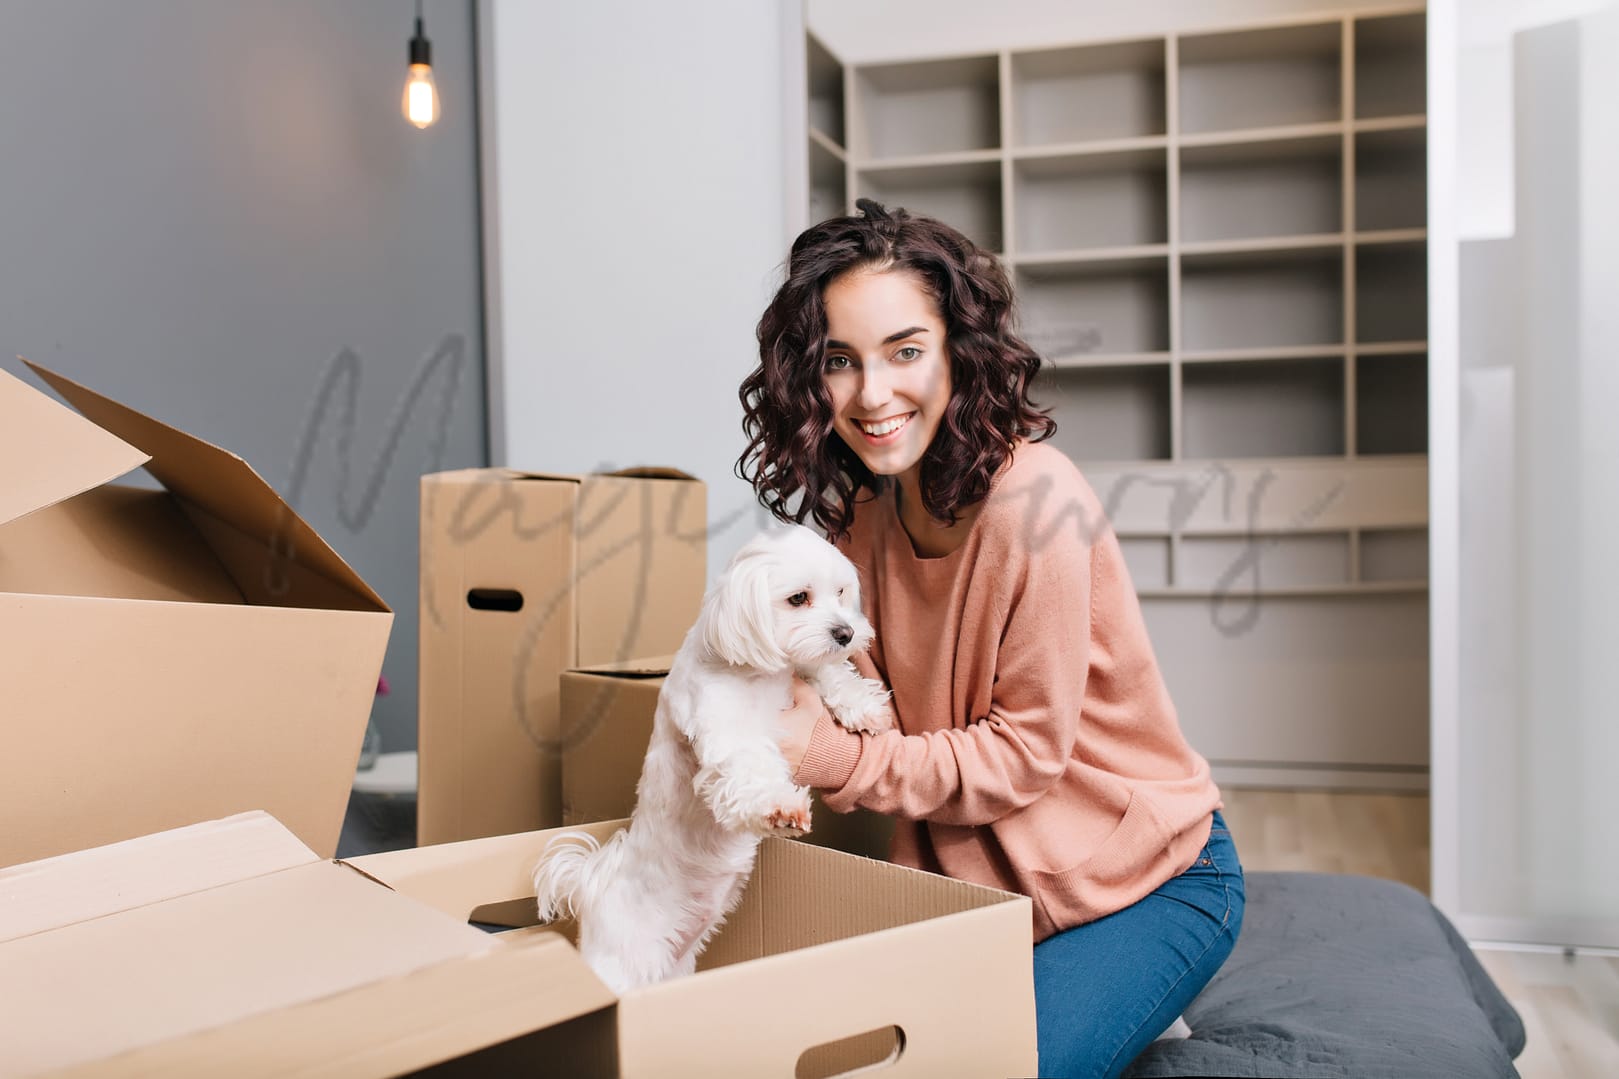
(798, 723)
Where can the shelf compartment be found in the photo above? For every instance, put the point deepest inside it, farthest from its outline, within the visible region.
(1088, 93)
(965, 196)
(1317, 678)
(1236, 497)
(1261, 78)
(1391, 404)
(1255, 355)
(1391, 292)
(1114, 413)
(1391, 66)
(1391, 179)
(1416, 122)
(1068, 310)
(926, 107)
(1390, 348)
(828, 194)
(1092, 201)
(1262, 409)
(1147, 559)
(825, 78)
(1263, 560)
(1394, 554)
(1262, 299)
(1277, 187)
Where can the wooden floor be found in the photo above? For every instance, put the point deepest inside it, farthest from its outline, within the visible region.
(1570, 1006)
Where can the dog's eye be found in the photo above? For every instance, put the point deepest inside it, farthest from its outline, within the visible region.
(840, 593)
(798, 599)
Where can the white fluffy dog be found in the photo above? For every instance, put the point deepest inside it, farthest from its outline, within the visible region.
(714, 781)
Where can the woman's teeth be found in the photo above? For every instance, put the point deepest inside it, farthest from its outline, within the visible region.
(887, 427)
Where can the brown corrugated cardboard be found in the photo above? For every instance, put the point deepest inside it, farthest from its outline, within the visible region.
(229, 948)
(524, 575)
(607, 712)
(607, 715)
(824, 947)
(168, 656)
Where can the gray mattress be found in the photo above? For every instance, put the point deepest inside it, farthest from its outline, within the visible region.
(1343, 976)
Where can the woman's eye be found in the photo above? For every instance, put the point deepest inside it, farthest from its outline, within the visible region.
(909, 352)
(837, 363)
(798, 599)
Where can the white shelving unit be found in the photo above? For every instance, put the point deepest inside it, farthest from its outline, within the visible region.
(1218, 241)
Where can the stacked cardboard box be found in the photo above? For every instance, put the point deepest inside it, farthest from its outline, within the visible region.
(524, 575)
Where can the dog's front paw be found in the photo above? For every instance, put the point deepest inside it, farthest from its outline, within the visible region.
(789, 817)
(865, 708)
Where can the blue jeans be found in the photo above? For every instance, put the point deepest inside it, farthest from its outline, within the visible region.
(1104, 990)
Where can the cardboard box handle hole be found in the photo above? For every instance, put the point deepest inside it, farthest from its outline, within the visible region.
(495, 599)
(870, 1051)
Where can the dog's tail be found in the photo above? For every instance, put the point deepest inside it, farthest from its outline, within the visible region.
(569, 873)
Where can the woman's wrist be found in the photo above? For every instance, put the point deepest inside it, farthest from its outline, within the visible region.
(831, 756)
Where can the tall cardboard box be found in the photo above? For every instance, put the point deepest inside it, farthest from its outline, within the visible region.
(170, 655)
(524, 575)
(607, 713)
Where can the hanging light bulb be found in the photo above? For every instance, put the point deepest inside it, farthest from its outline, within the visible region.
(420, 103)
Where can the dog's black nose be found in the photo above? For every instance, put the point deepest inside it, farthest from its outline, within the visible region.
(842, 634)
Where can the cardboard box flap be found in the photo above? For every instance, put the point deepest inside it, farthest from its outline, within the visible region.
(652, 472)
(95, 989)
(639, 472)
(458, 878)
(216, 480)
(50, 453)
(114, 542)
(646, 667)
(786, 913)
(399, 1025)
(37, 897)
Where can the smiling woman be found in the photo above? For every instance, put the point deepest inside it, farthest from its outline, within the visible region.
(1035, 746)
(869, 330)
(889, 392)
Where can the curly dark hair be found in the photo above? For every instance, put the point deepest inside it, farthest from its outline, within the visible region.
(787, 409)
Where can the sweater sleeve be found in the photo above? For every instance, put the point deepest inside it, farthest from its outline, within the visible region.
(978, 772)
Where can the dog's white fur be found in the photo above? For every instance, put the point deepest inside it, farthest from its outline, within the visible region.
(714, 782)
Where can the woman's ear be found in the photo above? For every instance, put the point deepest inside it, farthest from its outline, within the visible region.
(739, 617)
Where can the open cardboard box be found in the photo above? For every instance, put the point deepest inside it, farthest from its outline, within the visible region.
(831, 962)
(524, 575)
(230, 948)
(167, 656)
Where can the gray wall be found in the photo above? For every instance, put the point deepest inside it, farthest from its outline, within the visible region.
(216, 213)
(638, 200)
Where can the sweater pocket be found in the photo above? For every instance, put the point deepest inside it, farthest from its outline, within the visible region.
(1124, 867)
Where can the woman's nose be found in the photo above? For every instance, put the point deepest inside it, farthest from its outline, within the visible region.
(874, 388)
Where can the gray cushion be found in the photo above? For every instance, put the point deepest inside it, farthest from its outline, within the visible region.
(1343, 976)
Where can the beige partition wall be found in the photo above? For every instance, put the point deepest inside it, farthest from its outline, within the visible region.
(1218, 239)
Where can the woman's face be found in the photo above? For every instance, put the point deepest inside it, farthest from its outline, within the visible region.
(887, 368)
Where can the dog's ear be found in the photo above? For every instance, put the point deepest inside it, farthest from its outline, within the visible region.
(739, 617)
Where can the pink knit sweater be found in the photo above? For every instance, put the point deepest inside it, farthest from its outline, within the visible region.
(1037, 749)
